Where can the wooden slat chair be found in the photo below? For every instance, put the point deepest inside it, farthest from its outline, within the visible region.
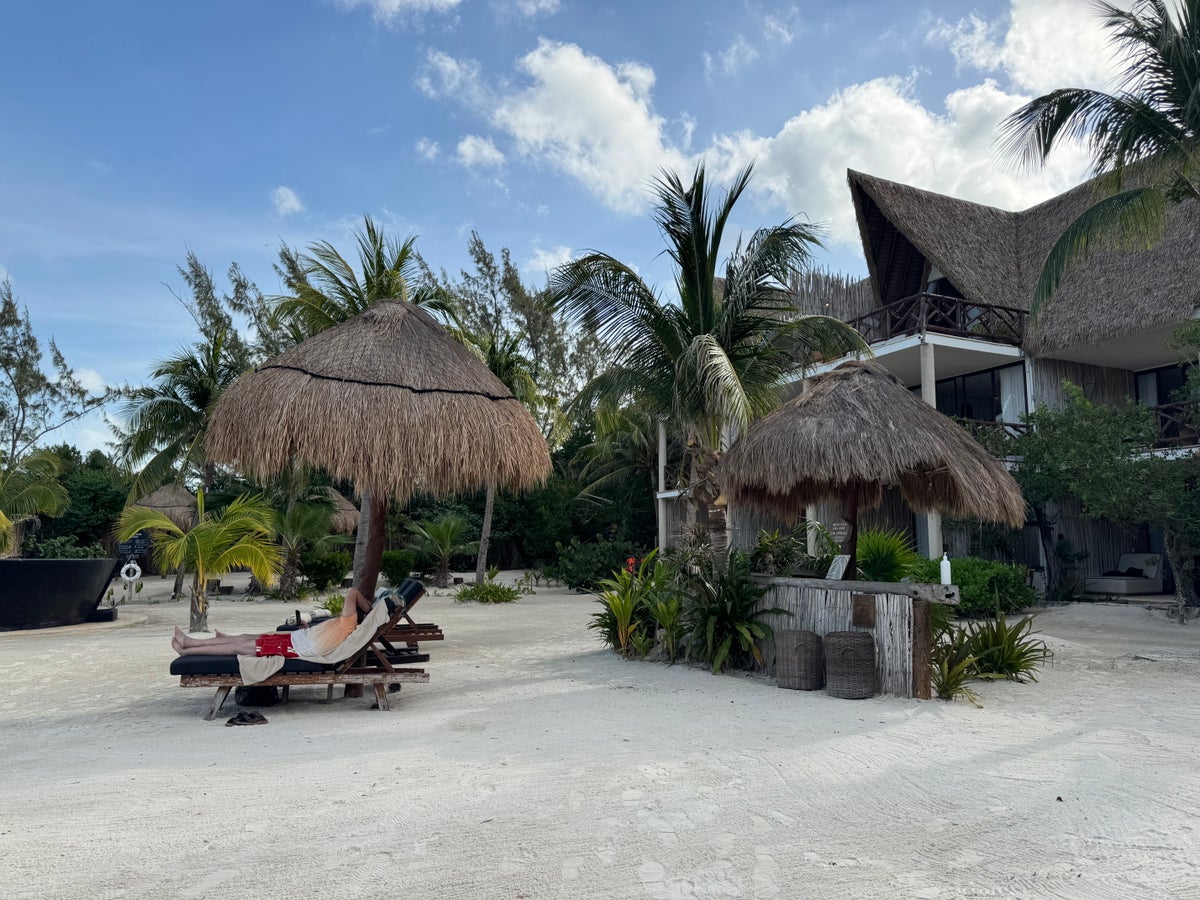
(371, 664)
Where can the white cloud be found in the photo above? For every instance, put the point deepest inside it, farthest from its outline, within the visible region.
(444, 76)
(1044, 44)
(428, 149)
(285, 201)
(475, 152)
(732, 59)
(591, 120)
(880, 127)
(390, 12)
(92, 381)
(546, 259)
(533, 8)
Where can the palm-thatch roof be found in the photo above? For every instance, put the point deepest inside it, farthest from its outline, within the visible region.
(994, 256)
(388, 400)
(174, 501)
(859, 427)
(345, 514)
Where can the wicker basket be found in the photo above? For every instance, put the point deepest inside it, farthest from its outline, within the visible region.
(850, 665)
(799, 661)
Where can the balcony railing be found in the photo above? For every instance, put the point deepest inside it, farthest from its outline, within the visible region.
(1177, 423)
(923, 313)
(1178, 426)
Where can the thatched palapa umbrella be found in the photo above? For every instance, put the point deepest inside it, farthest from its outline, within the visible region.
(854, 432)
(175, 502)
(388, 400)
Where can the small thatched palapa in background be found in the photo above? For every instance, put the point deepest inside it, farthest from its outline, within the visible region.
(175, 502)
(388, 400)
(855, 431)
(345, 514)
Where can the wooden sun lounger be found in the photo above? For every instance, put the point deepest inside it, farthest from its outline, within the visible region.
(375, 664)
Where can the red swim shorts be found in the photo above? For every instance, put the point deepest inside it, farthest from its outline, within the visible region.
(275, 644)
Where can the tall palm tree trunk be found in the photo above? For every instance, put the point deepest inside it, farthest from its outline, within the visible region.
(198, 620)
(360, 537)
(372, 561)
(485, 536)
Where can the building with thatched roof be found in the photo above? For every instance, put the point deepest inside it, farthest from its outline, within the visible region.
(952, 283)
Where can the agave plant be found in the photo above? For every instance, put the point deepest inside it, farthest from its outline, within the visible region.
(1007, 651)
(885, 555)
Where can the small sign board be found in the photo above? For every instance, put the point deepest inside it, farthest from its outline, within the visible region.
(838, 567)
(136, 547)
(839, 530)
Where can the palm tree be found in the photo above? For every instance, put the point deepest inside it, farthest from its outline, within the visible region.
(167, 421)
(27, 489)
(243, 534)
(327, 291)
(439, 542)
(1151, 125)
(305, 526)
(716, 359)
(623, 450)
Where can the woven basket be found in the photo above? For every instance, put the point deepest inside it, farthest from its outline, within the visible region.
(850, 665)
(799, 661)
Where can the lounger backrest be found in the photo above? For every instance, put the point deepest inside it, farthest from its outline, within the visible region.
(1149, 563)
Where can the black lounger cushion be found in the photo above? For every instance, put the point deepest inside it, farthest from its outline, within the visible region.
(228, 665)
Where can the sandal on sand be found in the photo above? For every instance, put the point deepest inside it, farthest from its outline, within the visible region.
(248, 718)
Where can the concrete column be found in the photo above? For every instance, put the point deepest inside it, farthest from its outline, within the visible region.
(933, 520)
(661, 504)
(810, 515)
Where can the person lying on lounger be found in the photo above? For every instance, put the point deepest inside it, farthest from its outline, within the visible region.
(305, 642)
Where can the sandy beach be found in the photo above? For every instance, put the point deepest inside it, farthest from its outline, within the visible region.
(535, 764)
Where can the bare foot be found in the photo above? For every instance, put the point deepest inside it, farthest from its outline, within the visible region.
(180, 637)
(177, 647)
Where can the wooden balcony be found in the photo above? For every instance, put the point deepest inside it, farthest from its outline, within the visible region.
(924, 313)
(1178, 426)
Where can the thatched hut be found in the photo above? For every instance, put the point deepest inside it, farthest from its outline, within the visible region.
(388, 400)
(345, 514)
(855, 431)
(174, 501)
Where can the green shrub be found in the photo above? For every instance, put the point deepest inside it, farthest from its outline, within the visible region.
(1007, 651)
(335, 604)
(668, 615)
(885, 555)
(397, 565)
(323, 569)
(723, 617)
(61, 548)
(777, 553)
(986, 588)
(583, 566)
(487, 592)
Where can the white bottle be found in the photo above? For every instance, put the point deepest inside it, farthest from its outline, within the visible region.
(946, 578)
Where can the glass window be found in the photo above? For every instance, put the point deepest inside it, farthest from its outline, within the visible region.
(996, 395)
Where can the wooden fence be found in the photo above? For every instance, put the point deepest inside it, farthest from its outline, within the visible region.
(896, 615)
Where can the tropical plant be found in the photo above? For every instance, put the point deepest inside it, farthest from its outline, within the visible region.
(166, 421)
(885, 555)
(668, 616)
(716, 359)
(776, 552)
(27, 489)
(304, 529)
(487, 592)
(625, 614)
(724, 615)
(437, 543)
(1007, 651)
(1151, 125)
(953, 665)
(241, 535)
(326, 290)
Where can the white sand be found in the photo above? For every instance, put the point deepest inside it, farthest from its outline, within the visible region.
(535, 765)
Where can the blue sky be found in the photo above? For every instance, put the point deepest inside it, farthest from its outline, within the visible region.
(135, 131)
